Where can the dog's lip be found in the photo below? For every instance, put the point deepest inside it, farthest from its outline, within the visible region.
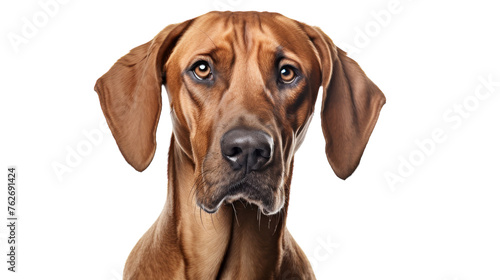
(229, 198)
(209, 210)
(220, 200)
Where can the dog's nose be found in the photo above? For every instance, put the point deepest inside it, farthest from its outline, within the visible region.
(247, 149)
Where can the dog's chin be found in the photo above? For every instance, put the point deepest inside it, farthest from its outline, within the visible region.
(268, 202)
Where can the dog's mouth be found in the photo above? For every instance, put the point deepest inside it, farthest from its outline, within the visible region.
(268, 200)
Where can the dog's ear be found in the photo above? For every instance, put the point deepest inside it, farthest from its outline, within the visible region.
(350, 106)
(130, 96)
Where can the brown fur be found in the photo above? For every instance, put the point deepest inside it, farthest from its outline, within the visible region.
(245, 50)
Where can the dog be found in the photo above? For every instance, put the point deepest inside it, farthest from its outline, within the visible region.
(241, 88)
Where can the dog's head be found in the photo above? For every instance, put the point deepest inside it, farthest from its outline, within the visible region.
(242, 88)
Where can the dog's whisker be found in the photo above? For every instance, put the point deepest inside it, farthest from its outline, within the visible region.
(242, 203)
(213, 224)
(278, 221)
(258, 216)
(201, 219)
(235, 215)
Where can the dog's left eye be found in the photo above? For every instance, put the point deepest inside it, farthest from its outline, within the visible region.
(202, 71)
(287, 74)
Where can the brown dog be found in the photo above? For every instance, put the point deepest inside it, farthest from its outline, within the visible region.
(242, 88)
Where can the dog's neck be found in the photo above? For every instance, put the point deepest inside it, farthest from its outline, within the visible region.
(235, 243)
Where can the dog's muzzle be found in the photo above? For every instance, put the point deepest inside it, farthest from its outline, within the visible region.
(249, 153)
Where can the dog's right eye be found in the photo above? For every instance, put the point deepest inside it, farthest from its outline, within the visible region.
(288, 74)
(202, 71)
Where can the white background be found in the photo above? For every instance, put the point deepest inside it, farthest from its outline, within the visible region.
(442, 222)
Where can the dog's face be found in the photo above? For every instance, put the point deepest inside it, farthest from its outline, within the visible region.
(242, 88)
(243, 92)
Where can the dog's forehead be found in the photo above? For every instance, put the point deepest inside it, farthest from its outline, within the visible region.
(229, 31)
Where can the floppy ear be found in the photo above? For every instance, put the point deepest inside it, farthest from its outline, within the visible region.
(130, 96)
(350, 107)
